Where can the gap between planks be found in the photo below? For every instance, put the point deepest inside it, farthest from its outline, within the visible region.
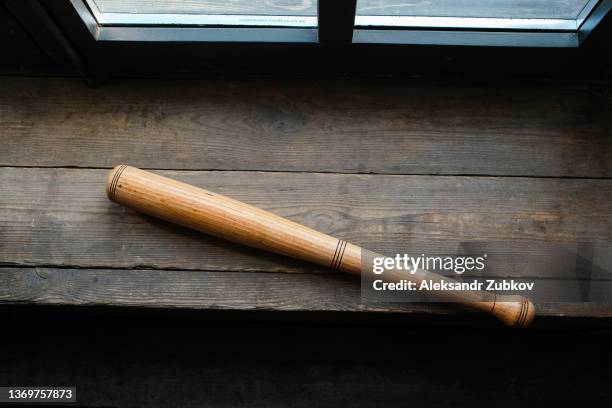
(369, 173)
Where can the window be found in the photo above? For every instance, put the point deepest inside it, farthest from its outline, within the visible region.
(549, 23)
(473, 13)
(522, 23)
(200, 20)
(199, 12)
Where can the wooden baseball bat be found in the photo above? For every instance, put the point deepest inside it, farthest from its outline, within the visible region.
(235, 221)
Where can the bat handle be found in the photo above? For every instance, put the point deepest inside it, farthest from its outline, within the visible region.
(513, 310)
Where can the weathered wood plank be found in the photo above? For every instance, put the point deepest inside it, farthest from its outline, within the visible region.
(528, 227)
(182, 289)
(563, 9)
(288, 125)
(220, 291)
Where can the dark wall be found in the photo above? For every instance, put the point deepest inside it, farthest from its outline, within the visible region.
(185, 362)
(20, 55)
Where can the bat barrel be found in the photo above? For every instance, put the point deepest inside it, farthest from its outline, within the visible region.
(236, 221)
(227, 218)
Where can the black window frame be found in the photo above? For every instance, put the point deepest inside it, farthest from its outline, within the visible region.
(500, 37)
(60, 30)
(336, 20)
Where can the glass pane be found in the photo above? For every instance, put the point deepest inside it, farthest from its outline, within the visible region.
(235, 7)
(520, 9)
(246, 13)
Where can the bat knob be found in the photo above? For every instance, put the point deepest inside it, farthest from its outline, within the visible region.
(514, 311)
(112, 182)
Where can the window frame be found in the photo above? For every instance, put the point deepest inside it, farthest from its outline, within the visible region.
(334, 15)
(192, 32)
(468, 32)
(59, 30)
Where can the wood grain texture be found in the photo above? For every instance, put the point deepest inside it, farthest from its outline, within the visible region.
(185, 289)
(220, 216)
(221, 291)
(223, 217)
(289, 125)
(58, 222)
(528, 227)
